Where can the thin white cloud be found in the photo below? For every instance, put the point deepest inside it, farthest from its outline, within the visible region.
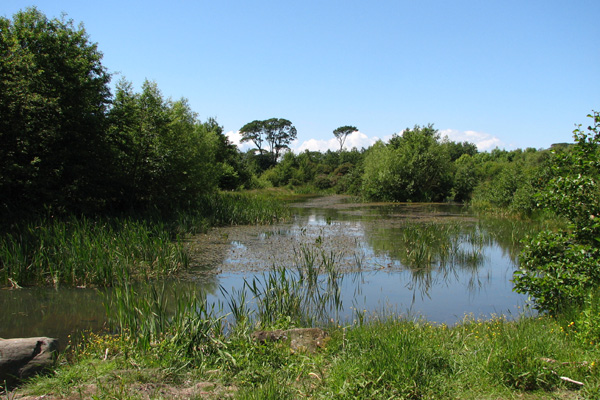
(483, 141)
(236, 138)
(356, 139)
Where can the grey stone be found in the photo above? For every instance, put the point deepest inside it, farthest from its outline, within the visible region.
(23, 357)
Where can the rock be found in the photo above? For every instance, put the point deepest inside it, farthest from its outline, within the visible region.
(269, 336)
(22, 358)
(300, 339)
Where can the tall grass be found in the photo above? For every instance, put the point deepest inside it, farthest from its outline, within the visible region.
(102, 251)
(307, 295)
(243, 209)
(154, 313)
(390, 357)
(83, 251)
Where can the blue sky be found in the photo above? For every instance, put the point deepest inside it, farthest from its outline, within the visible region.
(512, 74)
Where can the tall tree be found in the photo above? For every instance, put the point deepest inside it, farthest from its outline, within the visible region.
(53, 99)
(253, 132)
(342, 133)
(165, 155)
(277, 132)
(280, 133)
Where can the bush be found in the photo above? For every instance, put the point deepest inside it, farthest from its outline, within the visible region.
(556, 271)
(322, 182)
(561, 269)
(413, 166)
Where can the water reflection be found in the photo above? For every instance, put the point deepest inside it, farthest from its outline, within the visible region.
(64, 312)
(436, 260)
(435, 255)
(49, 312)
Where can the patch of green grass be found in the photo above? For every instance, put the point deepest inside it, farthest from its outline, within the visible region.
(382, 358)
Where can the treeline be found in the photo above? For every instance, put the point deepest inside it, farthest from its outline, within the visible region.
(420, 165)
(68, 144)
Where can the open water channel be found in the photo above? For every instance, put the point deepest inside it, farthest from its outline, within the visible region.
(439, 261)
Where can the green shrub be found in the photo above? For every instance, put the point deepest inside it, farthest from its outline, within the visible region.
(559, 270)
(322, 181)
(556, 271)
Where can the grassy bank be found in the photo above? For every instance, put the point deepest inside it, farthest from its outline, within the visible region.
(384, 357)
(103, 251)
(180, 345)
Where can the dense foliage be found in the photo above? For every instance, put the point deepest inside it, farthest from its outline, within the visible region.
(560, 269)
(163, 154)
(68, 145)
(53, 99)
(413, 166)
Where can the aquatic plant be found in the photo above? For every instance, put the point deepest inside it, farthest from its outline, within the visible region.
(419, 245)
(243, 209)
(154, 313)
(308, 294)
(85, 251)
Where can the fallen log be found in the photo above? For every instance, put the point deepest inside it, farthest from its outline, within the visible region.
(24, 357)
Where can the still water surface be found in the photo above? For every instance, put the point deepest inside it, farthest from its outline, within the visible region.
(435, 260)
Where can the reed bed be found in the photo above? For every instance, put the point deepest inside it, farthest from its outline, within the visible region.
(103, 251)
(83, 252)
(244, 209)
(155, 314)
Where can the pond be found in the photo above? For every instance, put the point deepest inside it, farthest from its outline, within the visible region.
(438, 261)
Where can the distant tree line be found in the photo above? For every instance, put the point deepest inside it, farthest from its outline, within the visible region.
(419, 165)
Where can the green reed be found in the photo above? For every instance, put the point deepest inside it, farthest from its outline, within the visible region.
(153, 313)
(84, 251)
(306, 295)
(243, 209)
